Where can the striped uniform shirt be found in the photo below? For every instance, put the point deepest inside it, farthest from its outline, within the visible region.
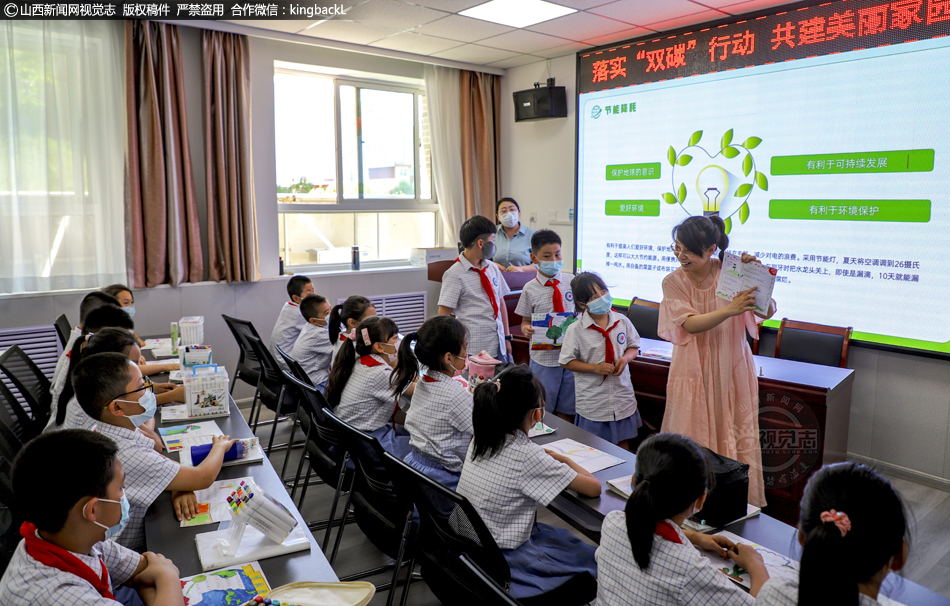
(506, 488)
(313, 350)
(27, 582)
(782, 590)
(537, 298)
(601, 397)
(289, 324)
(147, 475)
(341, 340)
(440, 420)
(58, 382)
(76, 417)
(367, 401)
(678, 574)
(462, 291)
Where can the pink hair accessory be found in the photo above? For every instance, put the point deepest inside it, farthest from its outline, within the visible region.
(351, 335)
(840, 519)
(365, 333)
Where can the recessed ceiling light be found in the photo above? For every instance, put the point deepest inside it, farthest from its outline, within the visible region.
(517, 13)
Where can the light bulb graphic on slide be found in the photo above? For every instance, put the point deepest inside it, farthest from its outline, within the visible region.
(712, 185)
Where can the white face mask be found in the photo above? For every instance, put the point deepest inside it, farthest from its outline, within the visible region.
(509, 219)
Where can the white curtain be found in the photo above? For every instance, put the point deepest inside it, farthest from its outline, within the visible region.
(62, 117)
(444, 102)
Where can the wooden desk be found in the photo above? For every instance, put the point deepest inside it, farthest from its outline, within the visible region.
(804, 414)
(164, 535)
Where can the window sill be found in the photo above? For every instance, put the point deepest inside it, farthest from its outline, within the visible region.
(347, 271)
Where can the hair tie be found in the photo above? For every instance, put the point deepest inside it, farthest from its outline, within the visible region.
(351, 335)
(840, 519)
(365, 333)
(89, 335)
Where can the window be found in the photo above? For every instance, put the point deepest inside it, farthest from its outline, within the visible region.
(353, 169)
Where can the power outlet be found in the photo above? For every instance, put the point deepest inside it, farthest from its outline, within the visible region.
(534, 217)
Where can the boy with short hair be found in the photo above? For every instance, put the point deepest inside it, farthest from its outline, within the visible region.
(111, 389)
(474, 290)
(548, 293)
(290, 323)
(69, 490)
(313, 348)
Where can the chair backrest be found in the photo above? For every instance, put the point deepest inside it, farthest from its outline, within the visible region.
(645, 316)
(323, 443)
(272, 375)
(814, 343)
(239, 328)
(14, 416)
(63, 328)
(30, 381)
(9, 522)
(450, 524)
(295, 368)
(493, 595)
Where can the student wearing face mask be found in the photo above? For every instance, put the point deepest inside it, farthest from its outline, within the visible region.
(112, 391)
(71, 506)
(597, 348)
(359, 387)
(513, 239)
(313, 348)
(440, 418)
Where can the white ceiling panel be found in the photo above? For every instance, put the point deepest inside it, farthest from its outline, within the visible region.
(560, 51)
(290, 26)
(637, 12)
(409, 42)
(473, 53)
(463, 29)
(666, 26)
(579, 26)
(523, 41)
(392, 13)
(583, 5)
(452, 6)
(349, 31)
(748, 7)
(636, 32)
(517, 61)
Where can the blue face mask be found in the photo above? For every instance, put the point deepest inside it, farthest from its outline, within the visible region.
(550, 268)
(130, 310)
(112, 531)
(148, 402)
(601, 305)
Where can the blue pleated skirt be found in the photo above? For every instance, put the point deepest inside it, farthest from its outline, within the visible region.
(393, 441)
(547, 560)
(612, 431)
(437, 472)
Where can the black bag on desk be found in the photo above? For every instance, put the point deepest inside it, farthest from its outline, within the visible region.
(728, 499)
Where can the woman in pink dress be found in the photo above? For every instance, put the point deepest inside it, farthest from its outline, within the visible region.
(713, 393)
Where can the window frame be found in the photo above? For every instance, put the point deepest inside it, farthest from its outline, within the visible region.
(344, 205)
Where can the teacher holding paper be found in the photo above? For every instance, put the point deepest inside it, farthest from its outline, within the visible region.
(713, 393)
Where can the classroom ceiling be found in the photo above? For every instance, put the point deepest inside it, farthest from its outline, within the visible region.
(433, 27)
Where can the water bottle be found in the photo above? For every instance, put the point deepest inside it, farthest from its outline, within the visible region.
(355, 260)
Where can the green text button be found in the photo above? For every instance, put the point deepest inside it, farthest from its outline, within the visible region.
(633, 208)
(897, 211)
(624, 172)
(899, 161)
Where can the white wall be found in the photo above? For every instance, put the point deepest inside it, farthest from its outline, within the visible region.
(900, 407)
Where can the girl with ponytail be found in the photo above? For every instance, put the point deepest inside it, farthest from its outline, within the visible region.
(713, 391)
(644, 551)
(853, 531)
(506, 476)
(345, 318)
(440, 418)
(359, 386)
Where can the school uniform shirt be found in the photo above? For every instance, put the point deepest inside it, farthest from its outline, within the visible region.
(440, 420)
(27, 582)
(678, 573)
(341, 340)
(506, 488)
(147, 475)
(313, 350)
(782, 590)
(514, 251)
(58, 382)
(367, 401)
(462, 291)
(76, 417)
(537, 297)
(601, 397)
(289, 324)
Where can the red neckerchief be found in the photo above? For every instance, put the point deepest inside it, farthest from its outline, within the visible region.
(370, 361)
(429, 379)
(56, 557)
(557, 299)
(486, 286)
(294, 304)
(609, 354)
(666, 530)
(342, 337)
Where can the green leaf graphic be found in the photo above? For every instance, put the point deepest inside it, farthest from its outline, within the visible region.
(728, 223)
(743, 212)
(730, 152)
(761, 181)
(671, 156)
(747, 164)
(684, 159)
(669, 198)
(751, 143)
(743, 190)
(696, 137)
(726, 139)
(681, 193)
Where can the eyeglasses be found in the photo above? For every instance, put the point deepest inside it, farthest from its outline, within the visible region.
(148, 385)
(678, 250)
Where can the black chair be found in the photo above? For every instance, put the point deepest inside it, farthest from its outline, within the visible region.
(494, 595)
(814, 343)
(32, 384)
(450, 527)
(248, 367)
(325, 455)
(9, 521)
(13, 416)
(382, 511)
(297, 371)
(271, 389)
(645, 316)
(63, 328)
